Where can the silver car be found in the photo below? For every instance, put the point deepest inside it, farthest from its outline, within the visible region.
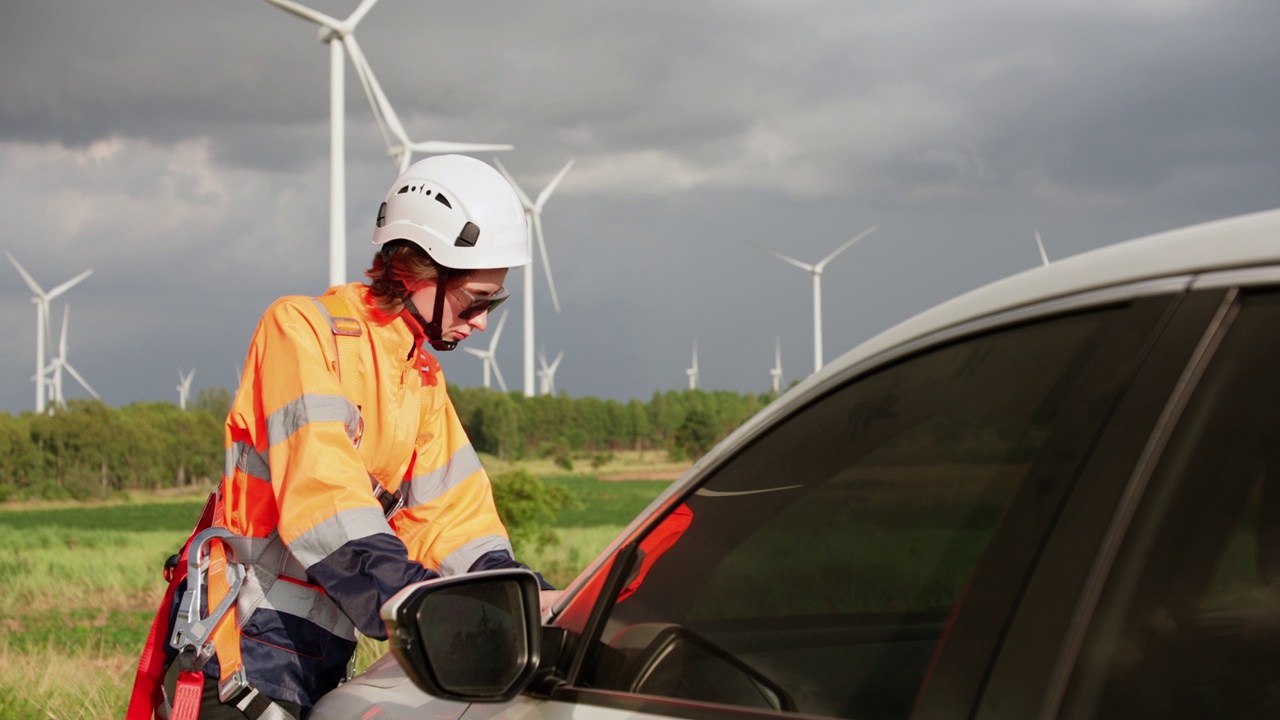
(1057, 496)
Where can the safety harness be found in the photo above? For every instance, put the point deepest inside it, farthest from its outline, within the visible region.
(223, 570)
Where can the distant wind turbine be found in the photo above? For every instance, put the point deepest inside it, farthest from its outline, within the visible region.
(184, 387)
(816, 271)
(533, 214)
(776, 372)
(490, 356)
(61, 363)
(1044, 257)
(41, 300)
(547, 375)
(692, 372)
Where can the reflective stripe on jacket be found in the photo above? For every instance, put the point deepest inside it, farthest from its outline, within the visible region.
(299, 459)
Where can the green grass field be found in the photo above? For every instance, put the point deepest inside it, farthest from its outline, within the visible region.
(79, 587)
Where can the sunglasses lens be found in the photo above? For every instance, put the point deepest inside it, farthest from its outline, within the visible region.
(484, 304)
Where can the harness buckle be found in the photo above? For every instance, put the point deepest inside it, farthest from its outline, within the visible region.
(191, 632)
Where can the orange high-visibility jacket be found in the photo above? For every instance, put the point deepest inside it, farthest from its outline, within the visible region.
(301, 461)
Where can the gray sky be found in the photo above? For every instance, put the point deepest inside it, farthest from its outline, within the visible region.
(180, 149)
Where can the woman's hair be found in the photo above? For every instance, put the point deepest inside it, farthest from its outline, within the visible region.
(410, 267)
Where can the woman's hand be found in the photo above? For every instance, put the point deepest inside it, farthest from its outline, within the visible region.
(548, 598)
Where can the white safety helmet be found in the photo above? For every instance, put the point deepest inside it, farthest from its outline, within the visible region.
(458, 209)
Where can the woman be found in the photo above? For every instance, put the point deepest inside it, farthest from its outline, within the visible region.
(348, 475)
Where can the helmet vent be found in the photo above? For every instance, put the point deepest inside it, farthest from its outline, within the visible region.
(444, 200)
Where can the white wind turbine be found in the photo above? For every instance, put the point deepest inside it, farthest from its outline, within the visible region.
(60, 363)
(776, 371)
(547, 375)
(340, 36)
(816, 271)
(490, 356)
(41, 300)
(184, 387)
(533, 213)
(692, 372)
(1044, 257)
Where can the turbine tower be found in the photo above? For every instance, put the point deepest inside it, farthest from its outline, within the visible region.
(776, 372)
(184, 387)
(490, 356)
(547, 375)
(41, 300)
(816, 271)
(1044, 257)
(340, 36)
(61, 363)
(692, 372)
(533, 214)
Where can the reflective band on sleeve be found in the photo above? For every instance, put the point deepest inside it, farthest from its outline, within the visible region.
(244, 457)
(308, 603)
(317, 543)
(283, 423)
(424, 488)
(459, 561)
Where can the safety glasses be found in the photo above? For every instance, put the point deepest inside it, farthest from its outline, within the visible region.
(473, 305)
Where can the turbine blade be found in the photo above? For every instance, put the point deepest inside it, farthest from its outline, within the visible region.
(497, 333)
(383, 113)
(476, 351)
(67, 285)
(31, 282)
(1044, 257)
(307, 13)
(498, 374)
(842, 248)
(62, 341)
(437, 147)
(355, 17)
(802, 265)
(546, 264)
(556, 362)
(524, 199)
(551, 186)
(79, 379)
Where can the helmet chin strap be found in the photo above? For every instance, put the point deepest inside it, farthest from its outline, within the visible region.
(433, 330)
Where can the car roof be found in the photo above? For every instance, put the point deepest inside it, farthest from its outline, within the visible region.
(1237, 242)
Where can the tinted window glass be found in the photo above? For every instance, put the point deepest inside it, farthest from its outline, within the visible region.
(818, 570)
(1189, 624)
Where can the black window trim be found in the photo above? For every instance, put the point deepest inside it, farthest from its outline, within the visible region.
(1167, 423)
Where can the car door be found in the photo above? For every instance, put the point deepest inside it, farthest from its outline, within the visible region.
(1164, 599)
(863, 554)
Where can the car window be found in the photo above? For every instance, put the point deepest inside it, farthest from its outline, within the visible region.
(818, 570)
(1188, 625)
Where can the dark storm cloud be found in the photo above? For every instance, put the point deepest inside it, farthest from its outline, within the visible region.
(180, 149)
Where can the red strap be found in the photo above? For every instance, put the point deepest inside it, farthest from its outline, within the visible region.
(148, 682)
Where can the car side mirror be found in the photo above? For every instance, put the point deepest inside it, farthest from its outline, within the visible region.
(471, 638)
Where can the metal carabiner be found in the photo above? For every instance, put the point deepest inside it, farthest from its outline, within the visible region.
(191, 631)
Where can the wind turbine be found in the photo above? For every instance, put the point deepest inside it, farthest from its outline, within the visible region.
(41, 300)
(489, 356)
(533, 213)
(547, 375)
(692, 372)
(60, 363)
(776, 371)
(184, 387)
(816, 271)
(1044, 257)
(340, 36)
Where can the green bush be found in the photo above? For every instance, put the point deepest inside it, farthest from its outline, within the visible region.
(529, 508)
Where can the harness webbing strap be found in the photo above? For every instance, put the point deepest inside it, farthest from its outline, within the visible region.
(148, 682)
(338, 313)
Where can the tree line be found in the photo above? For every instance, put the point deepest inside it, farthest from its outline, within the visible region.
(87, 449)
